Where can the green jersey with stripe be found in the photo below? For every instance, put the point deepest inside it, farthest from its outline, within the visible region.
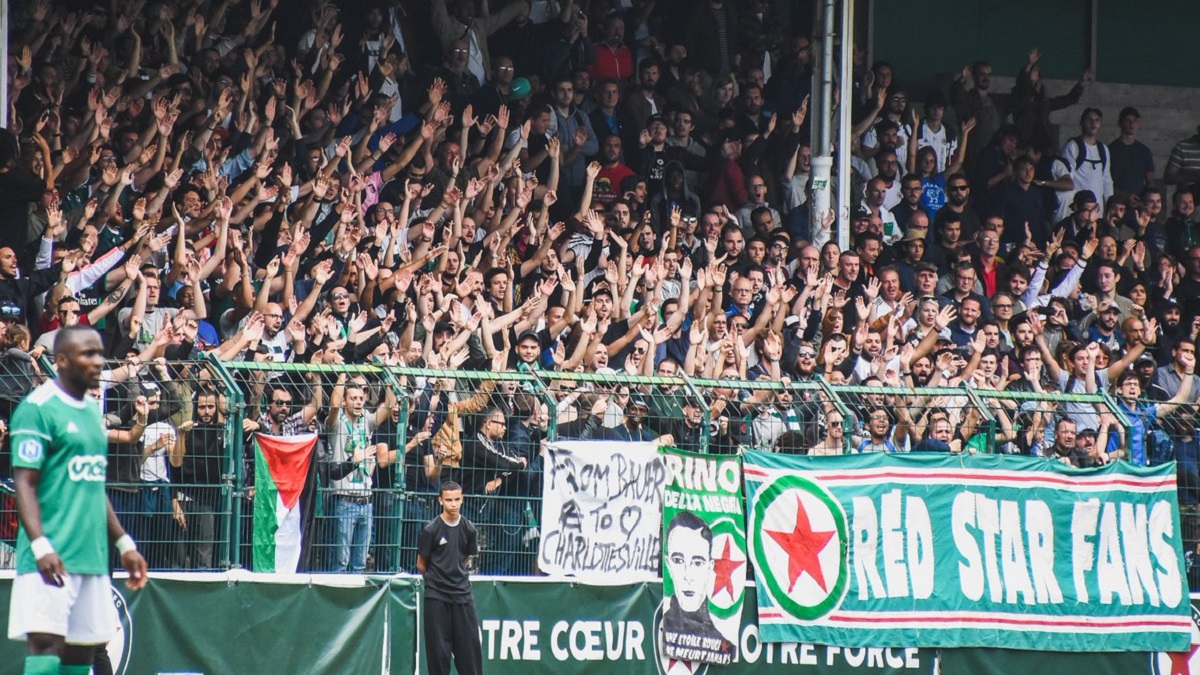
(64, 439)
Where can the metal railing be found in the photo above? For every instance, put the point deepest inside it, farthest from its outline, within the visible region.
(446, 425)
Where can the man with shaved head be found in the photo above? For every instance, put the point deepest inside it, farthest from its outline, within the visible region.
(62, 598)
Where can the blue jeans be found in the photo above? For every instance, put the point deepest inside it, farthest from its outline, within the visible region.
(353, 534)
(419, 510)
(389, 508)
(502, 519)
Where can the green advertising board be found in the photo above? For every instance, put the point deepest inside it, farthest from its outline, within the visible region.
(234, 624)
(549, 627)
(966, 551)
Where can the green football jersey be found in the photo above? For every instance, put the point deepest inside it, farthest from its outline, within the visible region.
(64, 439)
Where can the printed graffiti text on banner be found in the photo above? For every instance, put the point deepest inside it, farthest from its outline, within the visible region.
(966, 551)
(602, 511)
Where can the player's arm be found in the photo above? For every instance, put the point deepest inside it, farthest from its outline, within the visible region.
(49, 565)
(133, 561)
(422, 564)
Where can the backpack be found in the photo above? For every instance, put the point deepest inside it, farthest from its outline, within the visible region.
(1160, 449)
(1081, 154)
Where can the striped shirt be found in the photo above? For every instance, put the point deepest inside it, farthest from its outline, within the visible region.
(1185, 156)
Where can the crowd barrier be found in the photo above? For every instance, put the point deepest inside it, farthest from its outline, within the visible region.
(203, 519)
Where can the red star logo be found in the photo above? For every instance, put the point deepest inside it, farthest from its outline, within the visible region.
(725, 566)
(1180, 661)
(688, 665)
(803, 546)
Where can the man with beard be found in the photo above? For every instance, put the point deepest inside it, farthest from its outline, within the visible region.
(879, 423)
(633, 428)
(1174, 383)
(989, 110)
(279, 418)
(958, 203)
(606, 189)
(921, 370)
(1171, 328)
(887, 164)
(577, 138)
(910, 200)
(1183, 230)
(460, 23)
(196, 461)
(643, 100)
(614, 60)
(494, 465)
(687, 626)
(1066, 449)
(682, 137)
(897, 103)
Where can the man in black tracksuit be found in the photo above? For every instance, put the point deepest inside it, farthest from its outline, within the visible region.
(451, 627)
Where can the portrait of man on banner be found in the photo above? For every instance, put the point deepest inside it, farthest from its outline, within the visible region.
(689, 632)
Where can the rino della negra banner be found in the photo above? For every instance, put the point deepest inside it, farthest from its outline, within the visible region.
(966, 551)
(704, 557)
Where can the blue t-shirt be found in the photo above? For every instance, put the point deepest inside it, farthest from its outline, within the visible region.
(933, 194)
(1141, 419)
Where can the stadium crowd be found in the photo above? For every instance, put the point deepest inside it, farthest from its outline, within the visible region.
(610, 187)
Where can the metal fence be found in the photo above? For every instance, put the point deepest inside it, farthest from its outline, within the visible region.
(181, 471)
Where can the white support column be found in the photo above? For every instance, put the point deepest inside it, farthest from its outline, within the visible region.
(844, 122)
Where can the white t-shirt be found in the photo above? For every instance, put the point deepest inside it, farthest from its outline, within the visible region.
(1094, 172)
(154, 467)
(943, 146)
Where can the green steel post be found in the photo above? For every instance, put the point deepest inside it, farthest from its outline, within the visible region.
(547, 396)
(705, 411)
(232, 529)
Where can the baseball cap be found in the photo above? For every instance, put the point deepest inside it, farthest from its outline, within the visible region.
(1145, 359)
(860, 212)
(656, 117)
(520, 89)
(528, 335)
(1083, 197)
(926, 267)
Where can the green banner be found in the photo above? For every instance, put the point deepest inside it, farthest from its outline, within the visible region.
(245, 624)
(218, 624)
(704, 556)
(966, 551)
(532, 627)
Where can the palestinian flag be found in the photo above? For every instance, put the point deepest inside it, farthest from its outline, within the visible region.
(281, 474)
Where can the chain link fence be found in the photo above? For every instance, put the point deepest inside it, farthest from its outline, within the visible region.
(182, 445)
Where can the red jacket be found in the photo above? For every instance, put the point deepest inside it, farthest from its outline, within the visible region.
(612, 64)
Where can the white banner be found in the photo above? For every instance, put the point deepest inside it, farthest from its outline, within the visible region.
(602, 511)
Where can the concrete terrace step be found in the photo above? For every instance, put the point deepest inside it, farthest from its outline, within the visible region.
(1169, 114)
